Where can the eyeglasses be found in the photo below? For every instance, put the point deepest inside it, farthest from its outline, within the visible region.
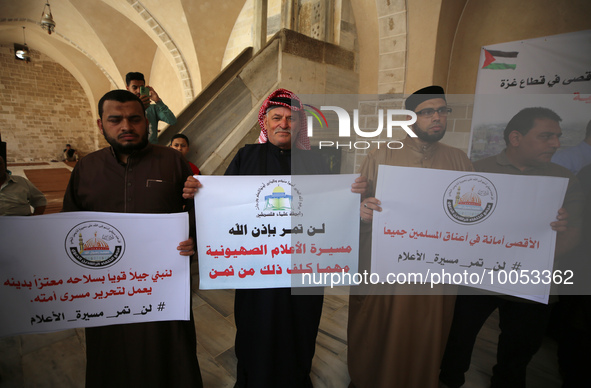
(429, 112)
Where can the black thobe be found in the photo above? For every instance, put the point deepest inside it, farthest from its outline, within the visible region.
(152, 354)
(275, 331)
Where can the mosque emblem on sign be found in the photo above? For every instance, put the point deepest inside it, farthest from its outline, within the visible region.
(278, 198)
(95, 244)
(468, 204)
(470, 199)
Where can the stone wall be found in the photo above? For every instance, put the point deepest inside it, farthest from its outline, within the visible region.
(393, 33)
(42, 107)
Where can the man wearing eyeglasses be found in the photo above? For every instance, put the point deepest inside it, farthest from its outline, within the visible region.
(431, 120)
(398, 340)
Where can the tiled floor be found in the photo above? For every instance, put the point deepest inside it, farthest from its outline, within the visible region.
(57, 359)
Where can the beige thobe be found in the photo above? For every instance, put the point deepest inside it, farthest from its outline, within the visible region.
(397, 341)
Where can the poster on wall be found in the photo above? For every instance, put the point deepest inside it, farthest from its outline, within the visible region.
(552, 72)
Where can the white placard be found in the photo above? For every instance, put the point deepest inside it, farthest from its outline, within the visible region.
(484, 230)
(276, 231)
(82, 269)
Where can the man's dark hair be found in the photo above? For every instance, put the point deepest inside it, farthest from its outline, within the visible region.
(523, 121)
(133, 76)
(118, 95)
(180, 136)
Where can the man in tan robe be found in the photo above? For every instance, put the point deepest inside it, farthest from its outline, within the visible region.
(398, 340)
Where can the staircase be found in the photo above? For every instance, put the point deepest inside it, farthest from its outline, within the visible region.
(223, 117)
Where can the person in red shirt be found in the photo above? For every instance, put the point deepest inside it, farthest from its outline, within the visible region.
(180, 143)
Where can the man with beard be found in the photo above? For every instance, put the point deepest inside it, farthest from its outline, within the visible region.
(134, 176)
(398, 340)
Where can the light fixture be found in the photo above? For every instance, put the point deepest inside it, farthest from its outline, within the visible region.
(21, 52)
(47, 22)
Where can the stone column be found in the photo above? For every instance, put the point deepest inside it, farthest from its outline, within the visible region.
(289, 14)
(260, 25)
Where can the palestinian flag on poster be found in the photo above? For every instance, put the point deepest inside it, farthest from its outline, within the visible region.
(499, 60)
